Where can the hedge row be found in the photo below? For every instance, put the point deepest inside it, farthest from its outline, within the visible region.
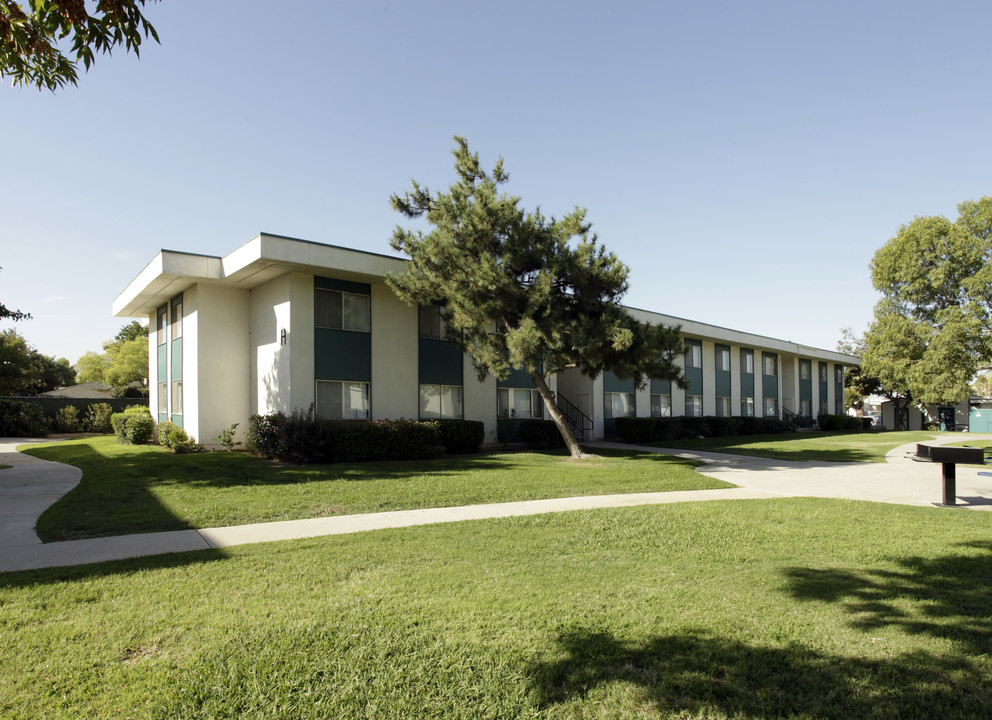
(22, 418)
(646, 430)
(843, 422)
(301, 437)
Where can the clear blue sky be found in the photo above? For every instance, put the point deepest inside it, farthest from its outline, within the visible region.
(745, 159)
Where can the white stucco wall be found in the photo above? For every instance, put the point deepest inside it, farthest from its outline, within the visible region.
(221, 363)
(479, 398)
(270, 371)
(395, 383)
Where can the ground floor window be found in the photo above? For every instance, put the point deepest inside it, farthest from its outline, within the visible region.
(163, 398)
(747, 407)
(440, 402)
(694, 405)
(519, 403)
(177, 397)
(771, 407)
(661, 406)
(723, 407)
(618, 404)
(806, 408)
(340, 399)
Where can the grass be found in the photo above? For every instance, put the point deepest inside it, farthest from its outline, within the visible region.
(822, 446)
(5, 467)
(132, 489)
(752, 609)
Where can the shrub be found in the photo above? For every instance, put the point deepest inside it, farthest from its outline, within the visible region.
(636, 430)
(668, 428)
(724, 426)
(540, 434)
(226, 438)
(66, 419)
(853, 423)
(827, 421)
(162, 431)
(303, 438)
(97, 418)
(21, 419)
(134, 426)
(774, 426)
(461, 436)
(750, 425)
(694, 427)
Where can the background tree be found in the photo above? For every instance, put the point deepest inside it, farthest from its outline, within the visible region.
(124, 359)
(525, 291)
(29, 38)
(857, 384)
(25, 371)
(982, 384)
(15, 315)
(933, 326)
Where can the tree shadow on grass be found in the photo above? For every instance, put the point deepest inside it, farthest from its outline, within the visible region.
(948, 597)
(698, 675)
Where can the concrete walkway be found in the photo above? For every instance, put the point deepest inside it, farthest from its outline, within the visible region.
(31, 486)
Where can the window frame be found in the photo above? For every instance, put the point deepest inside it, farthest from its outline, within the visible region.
(723, 406)
(747, 406)
(722, 358)
(765, 359)
(747, 366)
(630, 402)
(342, 389)
(695, 402)
(659, 413)
(774, 401)
(508, 409)
(440, 389)
(693, 355)
(345, 297)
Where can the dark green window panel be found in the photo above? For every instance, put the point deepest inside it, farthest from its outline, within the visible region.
(661, 387)
(342, 285)
(516, 379)
(611, 383)
(342, 355)
(177, 359)
(747, 385)
(163, 365)
(177, 420)
(440, 363)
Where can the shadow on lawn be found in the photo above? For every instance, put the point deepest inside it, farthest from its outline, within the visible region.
(948, 597)
(697, 675)
(790, 447)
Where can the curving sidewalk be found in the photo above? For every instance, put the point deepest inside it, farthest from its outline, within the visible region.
(32, 485)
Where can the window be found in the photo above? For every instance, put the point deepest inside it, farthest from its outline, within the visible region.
(805, 408)
(177, 317)
(338, 400)
(747, 407)
(823, 372)
(805, 370)
(771, 407)
(177, 397)
(693, 356)
(661, 406)
(770, 364)
(160, 325)
(440, 401)
(723, 407)
(723, 358)
(618, 404)
(432, 324)
(747, 362)
(839, 375)
(338, 310)
(163, 398)
(519, 403)
(694, 405)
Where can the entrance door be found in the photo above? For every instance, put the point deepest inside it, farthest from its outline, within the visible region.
(946, 415)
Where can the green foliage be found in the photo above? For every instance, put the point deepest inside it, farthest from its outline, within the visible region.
(97, 418)
(636, 430)
(461, 436)
(831, 422)
(303, 438)
(134, 426)
(67, 420)
(124, 361)
(21, 419)
(682, 428)
(32, 47)
(933, 327)
(25, 371)
(540, 434)
(226, 438)
(525, 291)
(5, 312)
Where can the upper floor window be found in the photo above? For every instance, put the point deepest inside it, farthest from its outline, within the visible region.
(160, 325)
(805, 370)
(339, 310)
(747, 362)
(722, 358)
(771, 364)
(432, 323)
(177, 317)
(838, 374)
(693, 356)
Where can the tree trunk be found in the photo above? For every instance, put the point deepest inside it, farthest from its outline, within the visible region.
(549, 402)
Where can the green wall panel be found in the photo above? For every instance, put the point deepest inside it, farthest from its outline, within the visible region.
(611, 383)
(516, 379)
(661, 387)
(806, 386)
(177, 359)
(440, 363)
(163, 364)
(769, 383)
(342, 355)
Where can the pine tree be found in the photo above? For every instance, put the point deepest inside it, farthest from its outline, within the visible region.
(524, 290)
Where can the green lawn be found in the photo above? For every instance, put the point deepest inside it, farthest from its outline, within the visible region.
(128, 489)
(791, 608)
(824, 446)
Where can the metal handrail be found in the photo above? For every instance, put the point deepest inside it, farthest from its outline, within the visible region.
(578, 420)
